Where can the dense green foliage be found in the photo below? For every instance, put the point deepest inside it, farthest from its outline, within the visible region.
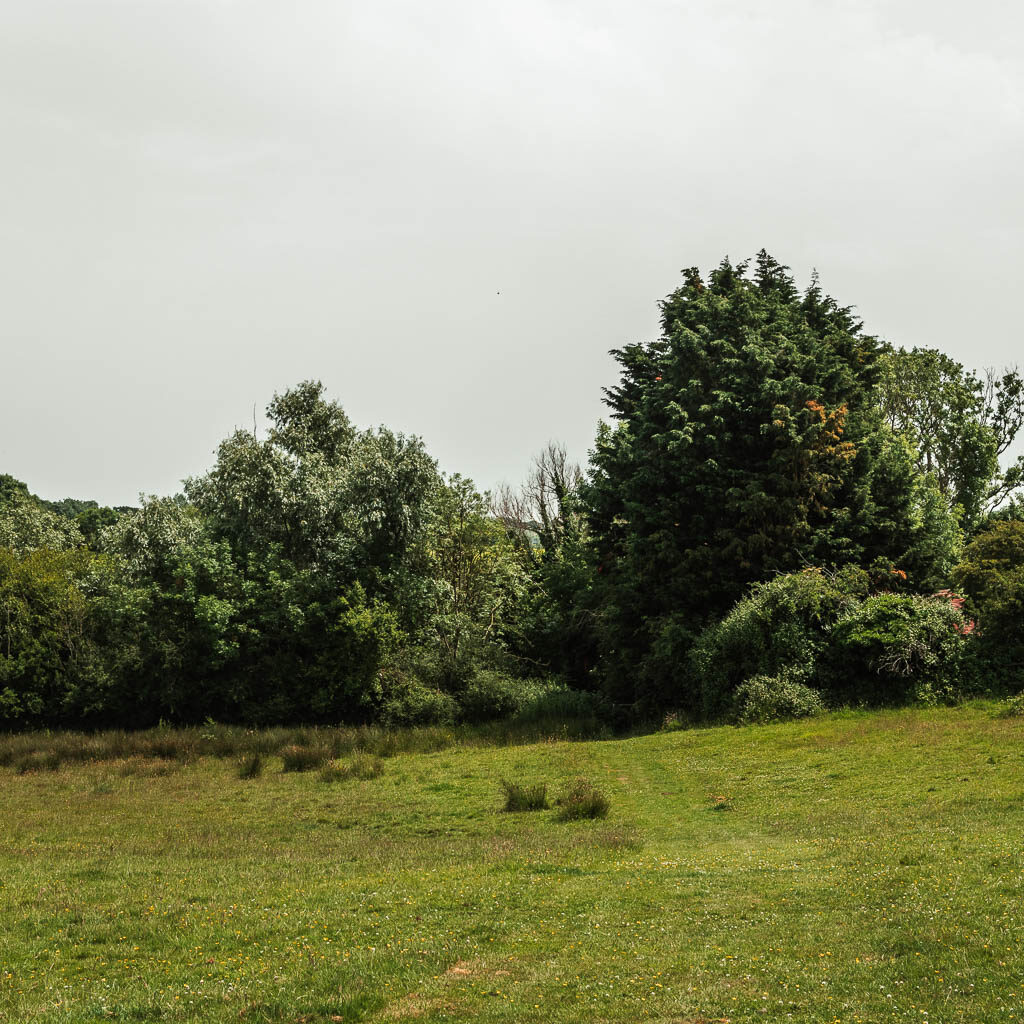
(763, 699)
(771, 524)
(782, 627)
(958, 424)
(748, 442)
(991, 577)
(893, 647)
(320, 574)
(827, 634)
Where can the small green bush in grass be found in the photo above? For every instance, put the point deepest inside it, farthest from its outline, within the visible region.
(775, 698)
(408, 702)
(490, 696)
(298, 758)
(524, 798)
(1012, 708)
(583, 800)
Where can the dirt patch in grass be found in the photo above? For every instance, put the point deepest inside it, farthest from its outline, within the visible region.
(473, 968)
(416, 1005)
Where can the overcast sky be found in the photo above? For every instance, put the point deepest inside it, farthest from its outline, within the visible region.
(450, 212)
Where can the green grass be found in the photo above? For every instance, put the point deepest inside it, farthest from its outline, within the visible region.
(868, 868)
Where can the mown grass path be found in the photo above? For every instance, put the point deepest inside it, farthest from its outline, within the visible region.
(858, 867)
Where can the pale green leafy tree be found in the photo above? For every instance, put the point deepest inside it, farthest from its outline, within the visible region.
(26, 525)
(959, 424)
(478, 577)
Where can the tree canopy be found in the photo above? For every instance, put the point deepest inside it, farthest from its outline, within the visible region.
(747, 443)
(777, 509)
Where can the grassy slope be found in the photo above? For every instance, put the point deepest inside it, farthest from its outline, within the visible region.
(869, 869)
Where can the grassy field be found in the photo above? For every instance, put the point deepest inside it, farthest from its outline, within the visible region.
(857, 867)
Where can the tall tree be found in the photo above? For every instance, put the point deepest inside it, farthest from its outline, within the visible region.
(959, 424)
(545, 518)
(476, 579)
(747, 443)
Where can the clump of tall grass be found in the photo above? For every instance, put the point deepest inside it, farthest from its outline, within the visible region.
(524, 798)
(583, 800)
(37, 761)
(251, 766)
(300, 758)
(333, 772)
(362, 766)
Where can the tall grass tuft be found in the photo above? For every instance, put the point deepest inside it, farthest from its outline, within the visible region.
(583, 800)
(524, 798)
(37, 761)
(251, 766)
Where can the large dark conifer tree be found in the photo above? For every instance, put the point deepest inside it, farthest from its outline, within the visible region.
(747, 444)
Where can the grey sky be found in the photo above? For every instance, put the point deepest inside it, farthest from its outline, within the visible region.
(205, 201)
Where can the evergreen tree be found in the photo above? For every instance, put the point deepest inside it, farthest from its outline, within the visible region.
(747, 444)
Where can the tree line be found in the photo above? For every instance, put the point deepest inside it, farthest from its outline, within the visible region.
(784, 513)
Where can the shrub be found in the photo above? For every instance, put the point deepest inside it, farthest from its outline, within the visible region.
(490, 695)
(583, 800)
(408, 702)
(299, 758)
(332, 772)
(524, 798)
(782, 626)
(553, 701)
(890, 648)
(1012, 708)
(775, 698)
(359, 640)
(363, 766)
(991, 578)
(37, 761)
